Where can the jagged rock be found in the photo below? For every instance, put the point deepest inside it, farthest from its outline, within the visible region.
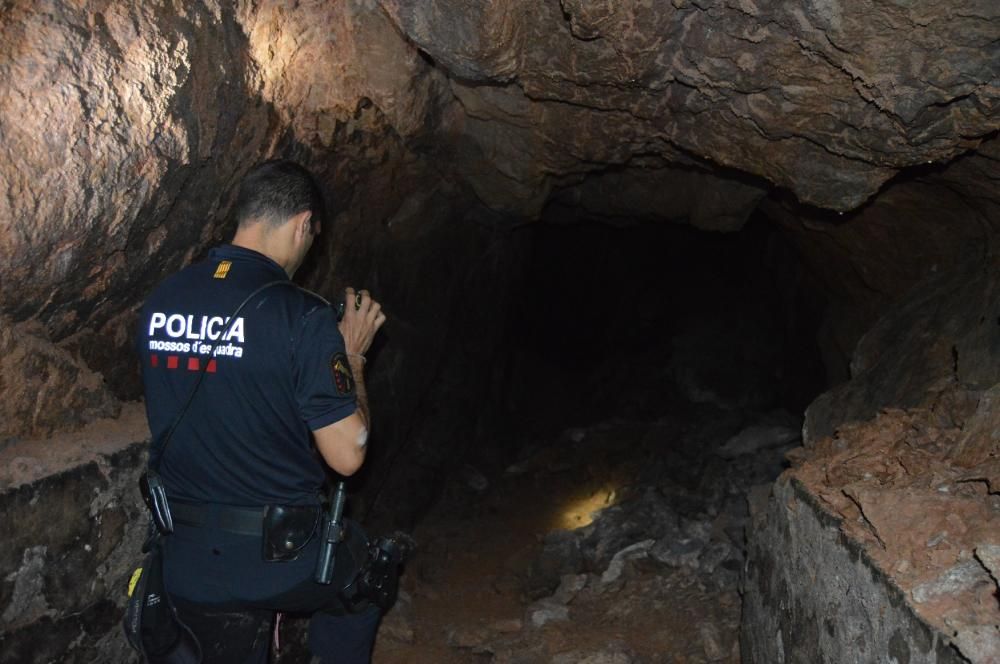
(989, 556)
(560, 555)
(617, 564)
(715, 554)
(569, 587)
(179, 101)
(705, 80)
(956, 579)
(27, 599)
(545, 611)
(682, 552)
(980, 441)
(659, 195)
(613, 654)
(979, 644)
(125, 126)
(942, 335)
(43, 388)
(865, 261)
(711, 642)
(757, 437)
(648, 515)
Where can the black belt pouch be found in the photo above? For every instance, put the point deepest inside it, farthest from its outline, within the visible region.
(287, 530)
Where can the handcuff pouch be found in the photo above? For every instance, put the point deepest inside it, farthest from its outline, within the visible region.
(287, 530)
(155, 496)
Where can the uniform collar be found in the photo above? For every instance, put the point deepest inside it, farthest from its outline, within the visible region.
(232, 252)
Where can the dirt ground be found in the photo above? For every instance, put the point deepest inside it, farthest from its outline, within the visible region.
(467, 592)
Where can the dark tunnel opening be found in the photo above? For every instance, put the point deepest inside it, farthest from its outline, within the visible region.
(633, 319)
(652, 374)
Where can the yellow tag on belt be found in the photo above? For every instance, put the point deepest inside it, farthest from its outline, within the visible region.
(134, 580)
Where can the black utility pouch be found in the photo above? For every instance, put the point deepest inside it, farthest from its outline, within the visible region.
(155, 497)
(287, 530)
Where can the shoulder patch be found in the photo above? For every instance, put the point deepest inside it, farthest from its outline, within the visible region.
(343, 379)
(222, 271)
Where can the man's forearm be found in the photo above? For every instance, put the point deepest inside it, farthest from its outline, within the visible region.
(360, 392)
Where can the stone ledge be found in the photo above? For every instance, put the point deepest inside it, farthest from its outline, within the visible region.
(850, 612)
(28, 461)
(75, 522)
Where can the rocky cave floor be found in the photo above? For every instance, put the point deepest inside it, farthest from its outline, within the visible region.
(619, 542)
(622, 542)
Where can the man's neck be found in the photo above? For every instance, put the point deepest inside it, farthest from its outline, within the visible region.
(258, 241)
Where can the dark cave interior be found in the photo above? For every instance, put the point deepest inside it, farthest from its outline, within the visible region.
(688, 303)
(704, 315)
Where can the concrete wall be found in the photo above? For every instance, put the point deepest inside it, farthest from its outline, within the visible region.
(70, 541)
(812, 596)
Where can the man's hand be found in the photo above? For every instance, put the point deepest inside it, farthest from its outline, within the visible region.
(363, 317)
(344, 443)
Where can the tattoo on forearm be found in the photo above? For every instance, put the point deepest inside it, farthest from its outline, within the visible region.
(360, 392)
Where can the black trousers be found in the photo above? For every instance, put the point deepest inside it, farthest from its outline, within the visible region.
(228, 595)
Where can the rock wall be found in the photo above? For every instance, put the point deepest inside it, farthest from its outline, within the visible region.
(941, 342)
(74, 525)
(436, 128)
(891, 509)
(812, 595)
(126, 128)
(860, 263)
(827, 99)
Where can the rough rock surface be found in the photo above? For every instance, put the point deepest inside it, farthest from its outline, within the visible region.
(44, 387)
(941, 342)
(862, 262)
(121, 151)
(900, 472)
(918, 517)
(574, 554)
(126, 128)
(848, 611)
(828, 99)
(72, 543)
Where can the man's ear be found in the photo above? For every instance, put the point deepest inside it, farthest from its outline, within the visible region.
(302, 223)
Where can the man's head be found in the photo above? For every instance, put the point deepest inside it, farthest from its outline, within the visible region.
(279, 210)
(276, 191)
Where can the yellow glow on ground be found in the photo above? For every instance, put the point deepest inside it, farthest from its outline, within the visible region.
(580, 512)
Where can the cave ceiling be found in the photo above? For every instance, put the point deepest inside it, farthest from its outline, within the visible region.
(826, 98)
(124, 126)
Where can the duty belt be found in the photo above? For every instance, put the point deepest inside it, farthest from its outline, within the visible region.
(238, 520)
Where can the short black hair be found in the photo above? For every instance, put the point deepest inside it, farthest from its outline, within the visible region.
(277, 190)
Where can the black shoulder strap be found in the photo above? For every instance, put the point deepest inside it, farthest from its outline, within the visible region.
(201, 374)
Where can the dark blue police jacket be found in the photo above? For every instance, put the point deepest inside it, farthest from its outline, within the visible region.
(272, 376)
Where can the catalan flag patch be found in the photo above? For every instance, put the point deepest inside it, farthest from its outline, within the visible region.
(223, 269)
(343, 379)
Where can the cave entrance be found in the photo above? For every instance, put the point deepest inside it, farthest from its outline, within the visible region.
(630, 317)
(656, 374)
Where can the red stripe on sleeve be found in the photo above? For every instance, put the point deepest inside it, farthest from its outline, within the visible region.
(211, 366)
(193, 364)
(154, 360)
(172, 361)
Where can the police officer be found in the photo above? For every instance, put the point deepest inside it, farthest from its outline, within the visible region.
(265, 397)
